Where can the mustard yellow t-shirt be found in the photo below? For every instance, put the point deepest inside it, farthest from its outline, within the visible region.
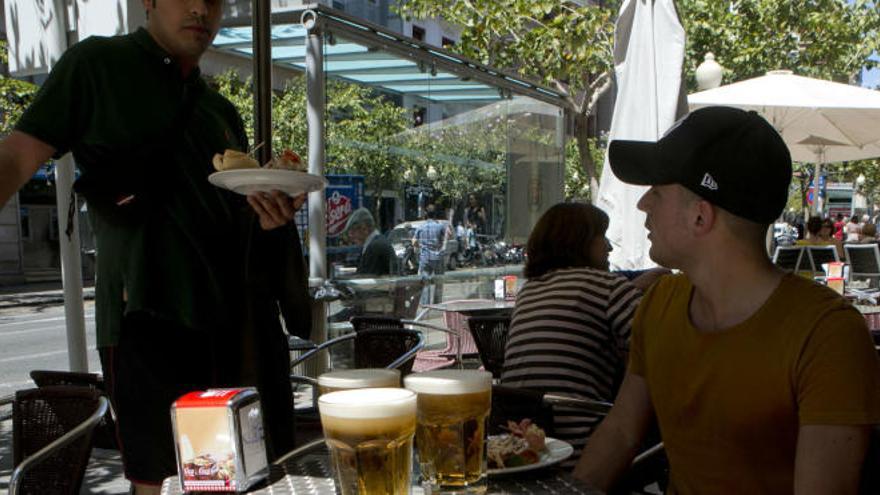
(729, 403)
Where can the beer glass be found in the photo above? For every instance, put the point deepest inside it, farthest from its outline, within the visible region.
(334, 381)
(370, 436)
(453, 409)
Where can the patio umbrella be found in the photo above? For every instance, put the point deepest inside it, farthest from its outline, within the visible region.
(649, 47)
(820, 121)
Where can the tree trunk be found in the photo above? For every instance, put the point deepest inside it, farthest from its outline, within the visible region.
(582, 136)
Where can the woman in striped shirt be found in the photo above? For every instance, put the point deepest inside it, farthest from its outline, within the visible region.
(571, 324)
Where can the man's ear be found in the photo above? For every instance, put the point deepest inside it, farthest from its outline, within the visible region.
(704, 217)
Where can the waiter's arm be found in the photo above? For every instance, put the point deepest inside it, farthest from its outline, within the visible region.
(20, 156)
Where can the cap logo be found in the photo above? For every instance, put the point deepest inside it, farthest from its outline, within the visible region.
(709, 182)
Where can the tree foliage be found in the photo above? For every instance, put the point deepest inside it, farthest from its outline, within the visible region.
(368, 134)
(15, 95)
(570, 47)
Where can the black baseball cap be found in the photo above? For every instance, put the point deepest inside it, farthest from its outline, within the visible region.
(730, 157)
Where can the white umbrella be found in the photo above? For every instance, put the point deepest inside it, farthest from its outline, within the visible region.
(648, 56)
(820, 121)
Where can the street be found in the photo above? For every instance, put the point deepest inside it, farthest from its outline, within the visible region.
(34, 338)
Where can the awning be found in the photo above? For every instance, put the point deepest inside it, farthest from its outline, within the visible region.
(370, 55)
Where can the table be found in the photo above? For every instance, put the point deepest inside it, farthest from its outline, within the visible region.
(307, 471)
(474, 308)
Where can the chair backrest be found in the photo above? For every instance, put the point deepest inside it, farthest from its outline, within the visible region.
(821, 254)
(788, 257)
(516, 404)
(380, 347)
(366, 322)
(406, 299)
(490, 335)
(863, 259)
(41, 416)
(105, 433)
(458, 321)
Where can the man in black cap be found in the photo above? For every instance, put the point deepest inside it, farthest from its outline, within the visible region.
(760, 381)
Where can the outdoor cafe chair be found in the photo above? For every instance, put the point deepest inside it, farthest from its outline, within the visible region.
(819, 255)
(490, 335)
(864, 262)
(789, 258)
(105, 434)
(379, 347)
(52, 438)
(426, 359)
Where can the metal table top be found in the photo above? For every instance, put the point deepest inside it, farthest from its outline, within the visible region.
(308, 471)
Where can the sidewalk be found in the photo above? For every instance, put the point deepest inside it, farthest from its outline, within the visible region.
(36, 295)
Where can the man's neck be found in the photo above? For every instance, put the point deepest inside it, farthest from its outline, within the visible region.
(730, 288)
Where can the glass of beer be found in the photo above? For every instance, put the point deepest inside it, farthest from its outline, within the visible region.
(370, 436)
(453, 409)
(334, 381)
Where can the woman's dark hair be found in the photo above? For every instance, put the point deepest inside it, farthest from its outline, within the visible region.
(854, 219)
(562, 238)
(814, 225)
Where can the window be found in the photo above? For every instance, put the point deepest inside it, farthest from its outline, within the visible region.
(418, 33)
(419, 115)
(447, 43)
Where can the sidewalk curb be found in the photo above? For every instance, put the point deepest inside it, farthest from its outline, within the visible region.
(40, 298)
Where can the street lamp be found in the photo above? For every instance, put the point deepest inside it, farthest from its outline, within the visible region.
(432, 173)
(860, 180)
(709, 73)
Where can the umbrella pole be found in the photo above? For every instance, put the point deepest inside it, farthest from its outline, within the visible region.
(817, 207)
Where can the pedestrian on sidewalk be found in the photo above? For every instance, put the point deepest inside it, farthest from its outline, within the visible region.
(191, 278)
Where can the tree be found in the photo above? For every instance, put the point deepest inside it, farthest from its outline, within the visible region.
(360, 125)
(558, 43)
(15, 95)
(570, 47)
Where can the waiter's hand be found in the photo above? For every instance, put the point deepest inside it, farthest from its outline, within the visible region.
(275, 208)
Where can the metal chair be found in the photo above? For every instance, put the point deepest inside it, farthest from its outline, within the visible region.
(52, 438)
(864, 261)
(490, 335)
(789, 258)
(818, 255)
(380, 347)
(105, 434)
(426, 359)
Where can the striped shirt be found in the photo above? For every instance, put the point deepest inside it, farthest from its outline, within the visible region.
(570, 335)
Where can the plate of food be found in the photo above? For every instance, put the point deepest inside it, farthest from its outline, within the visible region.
(239, 172)
(523, 448)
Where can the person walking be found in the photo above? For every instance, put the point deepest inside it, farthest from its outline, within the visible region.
(430, 239)
(761, 381)
(191, 278)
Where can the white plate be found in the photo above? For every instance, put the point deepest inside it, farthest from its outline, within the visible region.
(555, 451)
(248, 180)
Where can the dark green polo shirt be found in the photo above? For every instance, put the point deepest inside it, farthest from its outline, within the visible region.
(136, 126)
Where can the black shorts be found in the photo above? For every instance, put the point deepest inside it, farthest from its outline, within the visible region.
(153, 364)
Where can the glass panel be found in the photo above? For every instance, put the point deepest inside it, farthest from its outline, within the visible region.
(403, 136)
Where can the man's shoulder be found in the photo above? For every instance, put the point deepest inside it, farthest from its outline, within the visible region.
(101, 48)
(809, 296)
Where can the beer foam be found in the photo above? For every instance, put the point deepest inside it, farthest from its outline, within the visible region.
(360, 378)
(449, 382)
(368, 403)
